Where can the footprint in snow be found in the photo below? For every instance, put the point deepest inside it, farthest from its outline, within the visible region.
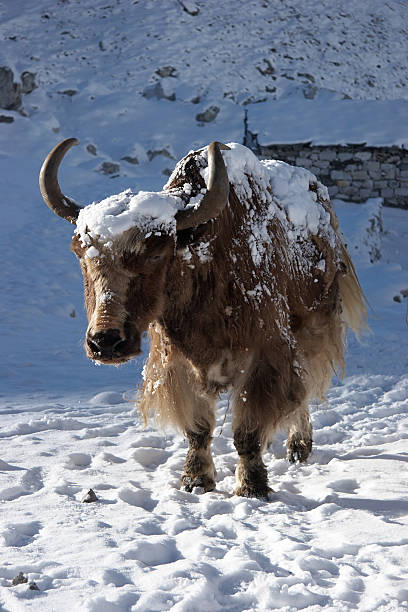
(325, 418)
(20, 534)
(30, 482)
(112, 576)
(157, 550)
(102, 432)
(148, 527)
(152, 441)
(104, 458)
(11, 493)
(345, 485)
(150, 456)
(32, 479)
(216, 508)
(63, 487)
(137, 497)
(78, 461)
(6, 467)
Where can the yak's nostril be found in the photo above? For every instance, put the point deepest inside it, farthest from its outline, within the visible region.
(95, 348)
(117, 347)
(105, 343)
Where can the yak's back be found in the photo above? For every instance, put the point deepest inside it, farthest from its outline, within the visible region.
(279, 231)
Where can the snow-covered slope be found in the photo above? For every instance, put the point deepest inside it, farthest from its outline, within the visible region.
(334, 537)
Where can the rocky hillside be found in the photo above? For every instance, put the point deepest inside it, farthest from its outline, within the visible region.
(195, 65)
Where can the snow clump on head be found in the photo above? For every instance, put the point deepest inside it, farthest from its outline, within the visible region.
(147, 210)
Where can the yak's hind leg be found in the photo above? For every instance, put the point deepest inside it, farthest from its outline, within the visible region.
(269, 394)
(299, 443)
(199, 469)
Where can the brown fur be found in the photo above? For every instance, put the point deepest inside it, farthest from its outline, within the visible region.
(274, 333)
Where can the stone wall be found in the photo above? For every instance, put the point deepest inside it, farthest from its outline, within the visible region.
(352, 172)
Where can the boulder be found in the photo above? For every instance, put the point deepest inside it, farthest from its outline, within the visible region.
(10, 92)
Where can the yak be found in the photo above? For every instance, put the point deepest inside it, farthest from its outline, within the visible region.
(238, 271)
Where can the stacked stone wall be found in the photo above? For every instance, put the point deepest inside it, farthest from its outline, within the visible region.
(351, 172)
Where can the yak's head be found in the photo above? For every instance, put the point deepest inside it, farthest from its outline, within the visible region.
(125, 278)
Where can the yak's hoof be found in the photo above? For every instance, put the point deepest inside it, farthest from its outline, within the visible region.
(203, 482)
(298, 450)
(258, 492)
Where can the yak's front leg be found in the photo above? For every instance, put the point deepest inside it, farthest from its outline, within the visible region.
(251, 474)
(199, 469)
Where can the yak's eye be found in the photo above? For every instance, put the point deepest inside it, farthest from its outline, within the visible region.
(154, 258)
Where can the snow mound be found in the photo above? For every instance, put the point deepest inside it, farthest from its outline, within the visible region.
(106, 398)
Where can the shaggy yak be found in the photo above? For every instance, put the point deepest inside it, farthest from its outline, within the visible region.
(238, 271)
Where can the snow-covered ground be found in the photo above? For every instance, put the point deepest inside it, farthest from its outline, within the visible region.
(334, 536)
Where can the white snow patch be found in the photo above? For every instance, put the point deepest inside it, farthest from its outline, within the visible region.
(147, 210)
(91, 252)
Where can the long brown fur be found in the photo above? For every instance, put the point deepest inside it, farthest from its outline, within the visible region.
(274, 332)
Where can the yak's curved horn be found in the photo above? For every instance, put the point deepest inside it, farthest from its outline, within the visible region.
(216, 197)
(50, 189)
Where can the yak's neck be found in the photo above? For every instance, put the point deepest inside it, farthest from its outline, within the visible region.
(196, 301)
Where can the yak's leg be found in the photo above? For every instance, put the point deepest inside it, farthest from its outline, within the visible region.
(270, 391)
(250, 430)
(299, 443)
(199, 469)
(251, 474)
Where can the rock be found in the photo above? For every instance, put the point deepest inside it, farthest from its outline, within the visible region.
(131, 160)
(6, 119)
(89, 497)
(190, 7)
(10, 92)
(167, 71)
(267, 69)
(152, 154)
(19, 579)
(307, 76)
(91, 149)
(28, 83)
(68, 92)
(208, 115)
(33, 586)
(109, 168)
(310, 92)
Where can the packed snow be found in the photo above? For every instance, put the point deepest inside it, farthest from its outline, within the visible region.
(334, 536)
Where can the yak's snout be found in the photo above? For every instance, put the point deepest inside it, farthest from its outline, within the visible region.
(109, 346)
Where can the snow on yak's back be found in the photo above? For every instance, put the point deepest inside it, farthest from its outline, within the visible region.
(238, 271)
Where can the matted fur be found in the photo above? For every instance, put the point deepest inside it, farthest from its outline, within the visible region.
(277, 350)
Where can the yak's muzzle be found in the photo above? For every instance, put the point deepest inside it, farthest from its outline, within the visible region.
(109, 346)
